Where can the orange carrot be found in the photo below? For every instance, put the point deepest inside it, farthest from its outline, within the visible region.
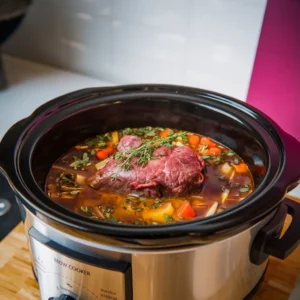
(208, 142)
(164, 133)
(215, 151)
(205, 152)
(193, 140)
(102, 154)
(241, 168)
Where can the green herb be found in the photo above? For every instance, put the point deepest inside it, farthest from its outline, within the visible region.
(90, 142)
(150, 133)
(143, 198)
(204, 147)
(66, 181)
(107, 213)
(74, 192)
(171, 132)
(155, 205)
(93, 152)
(101, 144)
(114, 220)
(119, 156)
(127, 131)
(168, 218)
(206, 157)
(107, 136)
(144, 152)
(185, 139)
(84, 208)
(228, 153)
(218, 160)
(79, 163)
(139, 209)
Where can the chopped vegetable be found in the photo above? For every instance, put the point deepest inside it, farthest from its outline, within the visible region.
(115, 137)
(212, 209)
(157, 215)
(241, 168)
(164, 133)
(186, 210)
(80, 179)
(214, 151)
(75, 192)
(226, 168)
(245, 188)
(102, 154)
(193, 139)
(208, 142)
(225, 195)
(84, 208)
(102, 163)
(79, 163)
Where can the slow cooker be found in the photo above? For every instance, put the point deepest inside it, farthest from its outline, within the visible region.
(223, 256)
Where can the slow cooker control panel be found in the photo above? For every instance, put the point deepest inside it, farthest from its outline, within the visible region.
(66, 274)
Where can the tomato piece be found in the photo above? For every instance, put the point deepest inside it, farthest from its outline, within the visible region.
(193, 140)
(186, 210)
(102, 154)
(207, 141)
(215, 151)
(164, 133)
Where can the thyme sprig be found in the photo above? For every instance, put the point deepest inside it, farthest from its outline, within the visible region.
(144, 152)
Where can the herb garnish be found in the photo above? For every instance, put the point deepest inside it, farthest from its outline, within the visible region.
(168, 218)
(144, 152)
(79, 163)
(204, 147)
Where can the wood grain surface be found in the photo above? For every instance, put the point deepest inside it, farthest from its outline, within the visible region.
(17, 280)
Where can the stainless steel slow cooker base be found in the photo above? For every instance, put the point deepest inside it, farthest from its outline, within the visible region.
(86, 269)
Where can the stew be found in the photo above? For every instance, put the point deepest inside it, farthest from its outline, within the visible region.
(149, 176)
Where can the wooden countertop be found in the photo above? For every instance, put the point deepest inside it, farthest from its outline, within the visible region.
(17, 280)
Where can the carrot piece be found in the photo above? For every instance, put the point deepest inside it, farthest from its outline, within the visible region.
(207, 141)
(215, 151)
(241, 168)
(102, 154)
(164, 133)
(205, 152)
(193, 140)
(186, 210)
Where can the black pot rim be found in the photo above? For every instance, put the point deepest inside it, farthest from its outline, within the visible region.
(36, 201)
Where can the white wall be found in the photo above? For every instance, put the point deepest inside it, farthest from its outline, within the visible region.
(204, 43)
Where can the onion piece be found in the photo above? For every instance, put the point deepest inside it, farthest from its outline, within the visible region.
(102, 163)
(212, 209)
(98, 212)
(225, 195)
(80, 179)
(232, 175)
(226, 168)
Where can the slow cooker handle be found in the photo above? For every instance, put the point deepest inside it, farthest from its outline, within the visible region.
(290, 176)
(267, 241)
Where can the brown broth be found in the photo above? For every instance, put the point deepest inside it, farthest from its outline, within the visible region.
(227, 181)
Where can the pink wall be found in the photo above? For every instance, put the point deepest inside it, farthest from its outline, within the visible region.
(275, 82)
